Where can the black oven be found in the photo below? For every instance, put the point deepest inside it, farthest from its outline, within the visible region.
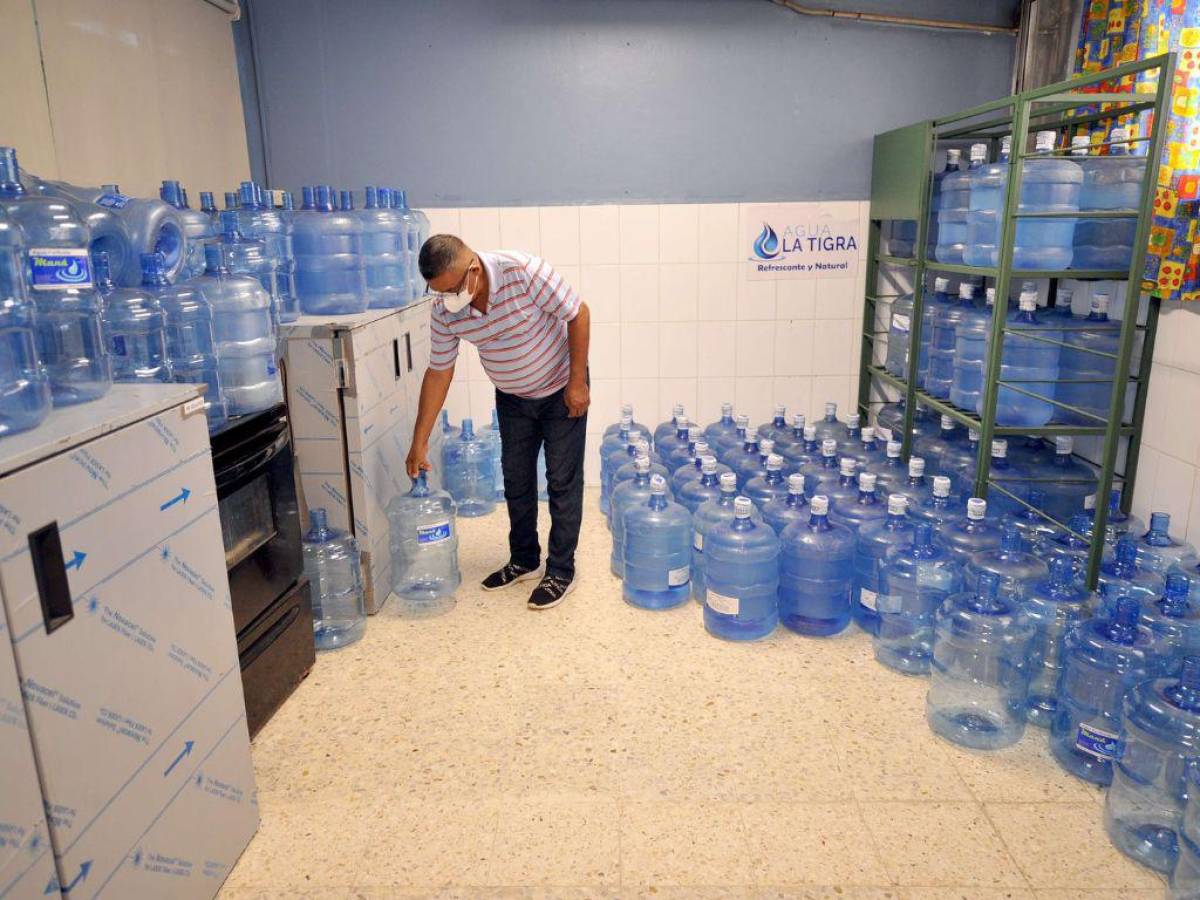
(260, 525)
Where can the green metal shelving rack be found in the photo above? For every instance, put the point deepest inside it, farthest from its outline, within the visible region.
(901, 189)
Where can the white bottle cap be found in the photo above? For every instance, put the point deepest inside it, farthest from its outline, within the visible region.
(642, 447)
(1006, 143)
(978, 152)
(810, 433)
(626, 410)
(868, 433)
(991, 296)
(941, 486)
(1064, 444)
(641, 463)
(780, 410)
(866, 481)
(708, 465)
(893, 449)
(626, 420)
(954, 154)
(742, 507)
(897, 504)
(795, 483)
(742, 421)
(728, 482)
(701, 447)
(976, 508)
(854, 420)
(658, 484)
(916, 467)
(848, 466)
(966, 291)
(1028, 301)
(1100, 302)
(1045, 141)
(677, 410)
(830, 409)
(765, 446)
(1080, 145)
(819, 505)
(941, 285)
(947, 423)
(693, 433)
(798, 420)
(973, 435)
(726, 409)
(1000, 448)
(774, 462)
(829, 447)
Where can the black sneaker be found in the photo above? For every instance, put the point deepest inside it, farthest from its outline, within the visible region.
(551, 592)
(510, 574)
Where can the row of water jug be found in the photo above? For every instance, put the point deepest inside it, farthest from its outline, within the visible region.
(1061, 366)
(969, 203)
(471, 465)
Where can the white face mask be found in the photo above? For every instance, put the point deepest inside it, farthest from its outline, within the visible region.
(457, 302)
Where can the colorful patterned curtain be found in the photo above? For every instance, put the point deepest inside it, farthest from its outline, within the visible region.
(1121, 31)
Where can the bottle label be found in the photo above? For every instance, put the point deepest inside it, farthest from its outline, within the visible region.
(57, 269)
(698, 541)
(113, 201)
(433, 534)
(680, 576)
(901, 324)
(720, 603)
(870, 600)
(1096, 742)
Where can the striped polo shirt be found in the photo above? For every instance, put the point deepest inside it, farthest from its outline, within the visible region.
(522, 338)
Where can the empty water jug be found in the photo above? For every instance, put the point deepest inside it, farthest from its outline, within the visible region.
(816, 573)
(932, 308)
(330, 279)
(245, 337)
(1087, 375)
(915, 578)
(1072, 545)
(1069, 481)
(741, 558)
(1122, 575)
(980, 668)
(468, 465)
(135, 326)
(1049, 184)
(1103, 658)
(1118, 522)
(1157, 550)
(24, 384)
(971, 339)
(1175, 616)
(423, 541)
(657, 551)
(257, 220)
(626, 495)
(1055, 604)
(384, 253)
(1037, 532)
(989, 183)
(1029, 363)
(873, 540)
(1160, 741)
(332, 566)
(953, 204)
(781, 511)
(899, 339)
(491, 434)
(967, 535)
(246, 256)
(1111, 182)
(941, 348)
(1015, 570)
(198, 227)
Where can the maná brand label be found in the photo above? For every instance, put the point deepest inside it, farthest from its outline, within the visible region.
(113, 201)
(720, 603)
(58, 269)
(680, 576)
(433, 534)
(1096, 741)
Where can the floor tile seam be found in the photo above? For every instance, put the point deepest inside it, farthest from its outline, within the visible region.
(1007, 849)
(893, 881)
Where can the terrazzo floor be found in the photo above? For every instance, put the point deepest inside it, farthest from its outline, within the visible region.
(597, 750)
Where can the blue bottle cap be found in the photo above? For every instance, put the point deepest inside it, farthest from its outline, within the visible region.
(171, 193)
(247, 195)
(322, 200)
(370, 198)
(385, 197)
(289, 202)
(231, 200)
(308, 197)
(347, 200)
(206, 201)
(10, 171)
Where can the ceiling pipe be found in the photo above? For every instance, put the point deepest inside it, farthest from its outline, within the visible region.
(905, 21)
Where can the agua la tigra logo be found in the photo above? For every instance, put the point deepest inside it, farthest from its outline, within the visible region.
(799, 240)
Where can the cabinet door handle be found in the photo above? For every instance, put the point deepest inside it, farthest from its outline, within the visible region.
(408, 348)
(50, 571)
(396, 355)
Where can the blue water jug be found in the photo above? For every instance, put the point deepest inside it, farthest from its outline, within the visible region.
(135, 328)
(418, 234)
(1071, 546)
(800, 453)
(684, 453)
(669, 443)
(822, 476)
(708, 516)
(778, 428)
(669, 427)
(792, 436)
(332, 566)
(1048, 184)
(244, 329)
(864, 507)
(889, 469)
(971, 339)
(1119, 523)
(830, 427)
(960, 461)
(933, 447)
(1037, 532)
(899, 338)
(730, 443)
(741, 558)
(615, 461)
(941, 508)
(626, 410)
(1122, 575)
(692, 472)
(1031, 364)
(1185, 879)
(1015, 570)
(612, 442)
(423, 542)
(626, 495)
(106, 227)
(953, 164)
(695, 492)
(1068, 481)
(954, 201)
(491, 434)
(191, 345)
(627, 471)
(932, 308)
(245, 256)
(1112, 182)
(873, 539)
(330, 279)
(988, 190)
(257, 220)
(750, 469)
(915, 578)
(197, 228)
(980, 668)
(868, 451)
(1157, 550)
(967, 535)
(941, 348)
(657, 551)
(781, 511)
(846, 489)
(1103, 658)
(816, 573)
(1080, 362)
(1160, 728)
(769, 485)
(58, 268)
(1001, 471)
(1055, 604)
(468, 464)
(384, 252)
(1175, 616)
(722, 427)
(24, 384)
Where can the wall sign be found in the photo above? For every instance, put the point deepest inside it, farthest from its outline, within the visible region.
(799, 240)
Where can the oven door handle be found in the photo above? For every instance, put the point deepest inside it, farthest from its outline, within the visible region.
(257, 460)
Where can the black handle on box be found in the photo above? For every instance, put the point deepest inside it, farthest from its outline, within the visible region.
(50, 571)
(396, 355)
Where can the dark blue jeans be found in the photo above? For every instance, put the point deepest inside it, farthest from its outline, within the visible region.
(525, 425)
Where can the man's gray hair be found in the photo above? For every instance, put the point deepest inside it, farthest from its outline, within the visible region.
(438, 254)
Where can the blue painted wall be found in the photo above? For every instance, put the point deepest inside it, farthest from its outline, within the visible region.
(521, 102)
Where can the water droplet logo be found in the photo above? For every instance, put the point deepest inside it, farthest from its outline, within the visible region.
(74, 272)
(766, 246)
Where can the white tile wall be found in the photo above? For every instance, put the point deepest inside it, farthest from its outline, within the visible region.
(673, 319)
